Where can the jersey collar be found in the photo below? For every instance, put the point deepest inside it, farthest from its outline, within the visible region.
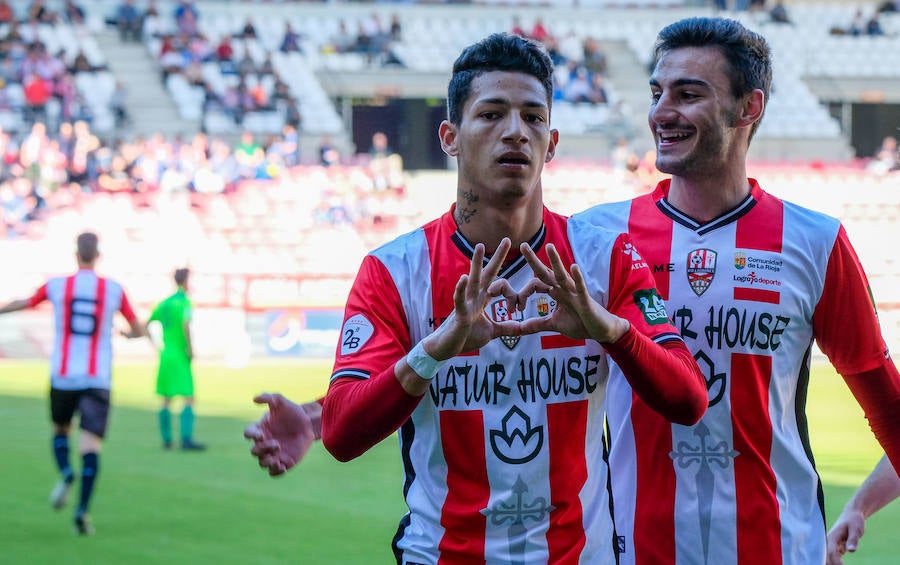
(514, 261)
(661, 194)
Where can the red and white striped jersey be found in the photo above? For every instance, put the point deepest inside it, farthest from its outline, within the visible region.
(84, 305)
(749, 292)
(503, 457)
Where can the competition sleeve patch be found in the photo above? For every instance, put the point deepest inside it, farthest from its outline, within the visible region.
(355, 334)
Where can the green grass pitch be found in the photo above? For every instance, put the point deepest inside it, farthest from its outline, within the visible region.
(218, 507)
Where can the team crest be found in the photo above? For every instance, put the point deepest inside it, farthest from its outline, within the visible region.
(701, 268)
(740, 260)
(543, 305)
(501, 312)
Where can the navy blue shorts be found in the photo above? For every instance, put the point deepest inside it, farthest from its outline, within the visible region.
(92, 405)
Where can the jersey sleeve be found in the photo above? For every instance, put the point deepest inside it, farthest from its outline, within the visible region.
(365, 402)
(126, 309)
(39, 296)
(845, 322)
(652, 356)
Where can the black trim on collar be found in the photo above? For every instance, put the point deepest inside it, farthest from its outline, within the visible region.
(680, 217)
(467, 249)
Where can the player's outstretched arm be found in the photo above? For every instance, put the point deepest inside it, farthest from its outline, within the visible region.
(14, 306)
(283, 436)
(880, 487)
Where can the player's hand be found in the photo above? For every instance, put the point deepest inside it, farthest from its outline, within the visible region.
(844, 535)
(469, 327)
(577, 314)
(283, 436)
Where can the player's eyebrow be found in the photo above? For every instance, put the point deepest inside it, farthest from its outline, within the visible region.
(682, 82)
(505, 102)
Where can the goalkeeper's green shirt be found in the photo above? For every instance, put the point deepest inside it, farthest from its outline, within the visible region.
(173, 313)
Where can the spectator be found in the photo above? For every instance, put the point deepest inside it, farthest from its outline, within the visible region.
(37, 92)
(6, 12)
(81, 64)
(887, 158)
(539, 32)
(342, 41)
(873, 25)
(395, 30)
(290, 43)
(779, 13)
(594, 58)
(118, 106)
(38, 13)
(292, 116)
(186, 17)
(329, 154)
(74, 13)
(224, 51)
(128, 21)
(249, 30)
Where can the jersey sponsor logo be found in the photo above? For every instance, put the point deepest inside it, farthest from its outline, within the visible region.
(753, 279)
(500, 311)
(651, 305)
(744, 261)
(701, 268)
(516, 510)
(664, 268)
(543, 305)
(517, 441)
(466, 383)
(356, 332)
(637, 262)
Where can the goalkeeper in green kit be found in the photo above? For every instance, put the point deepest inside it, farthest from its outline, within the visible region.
(175, 377)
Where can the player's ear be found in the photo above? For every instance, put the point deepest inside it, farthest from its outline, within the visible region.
(551, 149)
(752, 108)
(447, 134)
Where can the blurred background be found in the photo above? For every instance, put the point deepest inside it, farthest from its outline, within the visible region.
(269, 145)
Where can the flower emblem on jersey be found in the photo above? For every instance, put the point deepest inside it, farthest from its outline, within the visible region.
(517, 442)
(500, 311)
(701, 268)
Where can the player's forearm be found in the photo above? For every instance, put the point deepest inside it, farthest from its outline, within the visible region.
(14, 306)
(880, 488)
(878, 393)
(357, 414)
(665, 377)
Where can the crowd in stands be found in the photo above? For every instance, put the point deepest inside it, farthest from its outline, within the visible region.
(36, 83)
(580, 63)
(43, 170)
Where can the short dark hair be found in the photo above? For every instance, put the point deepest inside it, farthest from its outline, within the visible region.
(497, 52)
(87, 246)
(746, 52)
(181, 276)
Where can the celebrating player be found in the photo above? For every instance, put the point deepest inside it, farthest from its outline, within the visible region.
(174, 377)
(84, 305)
(493, 363)
(751, 282)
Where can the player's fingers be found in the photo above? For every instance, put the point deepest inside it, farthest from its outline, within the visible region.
(501, 287)
(272, 399)
(277, 470)
(476, 265)
(265, 448)
(492, 269)
(854, 533)
(253, 431)
(560, 273)
(541, 271)
(578, 279)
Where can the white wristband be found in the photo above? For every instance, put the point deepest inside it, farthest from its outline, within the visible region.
(422, 363)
